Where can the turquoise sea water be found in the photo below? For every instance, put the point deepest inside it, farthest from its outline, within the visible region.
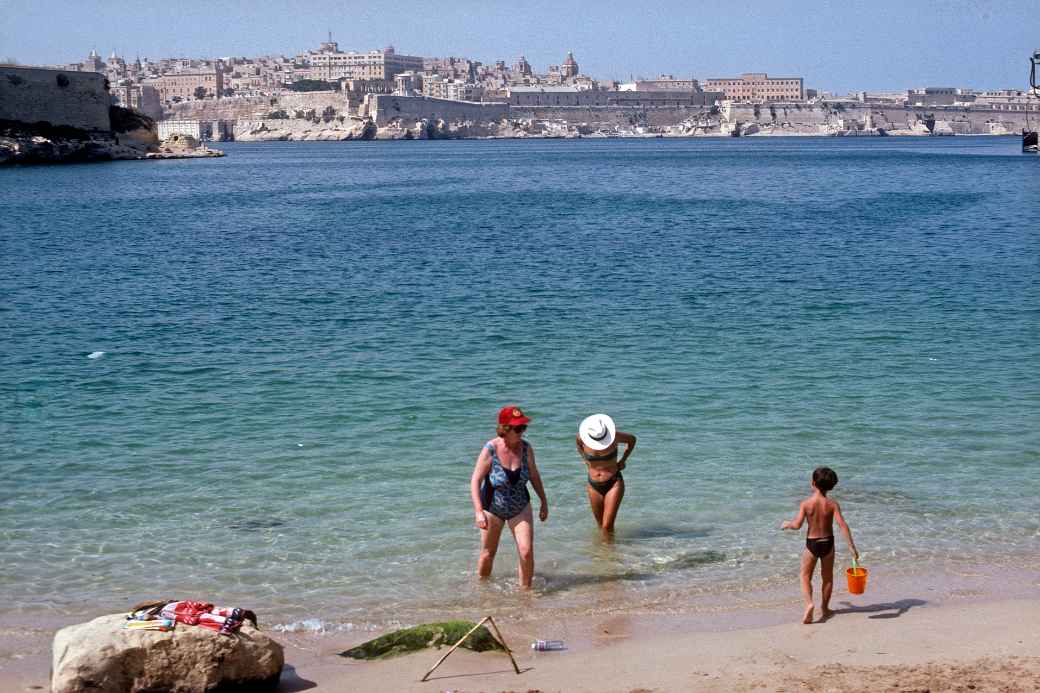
(305, 346)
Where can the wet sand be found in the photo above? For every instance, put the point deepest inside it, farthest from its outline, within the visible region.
(990, 646)
(965, 632)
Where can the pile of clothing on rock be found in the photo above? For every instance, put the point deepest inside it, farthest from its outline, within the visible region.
(165, 615)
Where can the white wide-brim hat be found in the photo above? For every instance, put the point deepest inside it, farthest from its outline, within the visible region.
(597, 432)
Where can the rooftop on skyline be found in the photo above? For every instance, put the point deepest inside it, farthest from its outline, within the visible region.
(840, 47)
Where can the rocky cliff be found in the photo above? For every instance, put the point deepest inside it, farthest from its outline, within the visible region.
(358, 128)
(130, 135)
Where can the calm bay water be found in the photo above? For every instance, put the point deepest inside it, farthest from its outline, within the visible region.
(305, 346)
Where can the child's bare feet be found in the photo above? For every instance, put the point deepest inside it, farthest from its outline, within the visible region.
(808, 614)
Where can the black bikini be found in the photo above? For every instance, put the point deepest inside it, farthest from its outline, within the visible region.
(603, 487)
(820, 547)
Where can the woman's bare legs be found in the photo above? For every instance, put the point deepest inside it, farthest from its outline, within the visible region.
(489, 544)
(611, 503)
(522, 527)
(596, 502)
(605, 508)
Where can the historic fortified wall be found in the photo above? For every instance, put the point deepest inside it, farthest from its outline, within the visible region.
(259, 107)
(58, 97)
(958, 120)
(609, 116)
(384, 108)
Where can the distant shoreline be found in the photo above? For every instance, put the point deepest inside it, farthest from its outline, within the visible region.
(758, 135)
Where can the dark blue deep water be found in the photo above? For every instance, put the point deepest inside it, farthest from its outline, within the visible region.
(305, 344)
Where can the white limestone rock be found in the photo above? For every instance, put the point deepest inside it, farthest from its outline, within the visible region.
(103, 657)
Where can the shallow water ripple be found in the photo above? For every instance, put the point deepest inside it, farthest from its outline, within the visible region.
(304, 346)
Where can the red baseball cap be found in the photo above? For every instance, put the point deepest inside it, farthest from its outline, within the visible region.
(510, 415)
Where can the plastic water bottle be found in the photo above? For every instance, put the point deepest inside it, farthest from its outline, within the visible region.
(544, 645)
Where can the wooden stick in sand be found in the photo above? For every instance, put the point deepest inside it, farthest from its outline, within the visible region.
(501, 642)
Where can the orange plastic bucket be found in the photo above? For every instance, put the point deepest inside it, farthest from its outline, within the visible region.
(857, 578)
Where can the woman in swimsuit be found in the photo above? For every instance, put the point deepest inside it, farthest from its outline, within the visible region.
(597, 443)
(498, 489)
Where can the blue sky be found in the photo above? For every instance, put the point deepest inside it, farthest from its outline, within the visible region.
(837, 46)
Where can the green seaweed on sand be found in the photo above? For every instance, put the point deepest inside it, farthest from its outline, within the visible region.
(422, 636)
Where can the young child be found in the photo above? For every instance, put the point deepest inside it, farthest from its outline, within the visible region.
(821, 512)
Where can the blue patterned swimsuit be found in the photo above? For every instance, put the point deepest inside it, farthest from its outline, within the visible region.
(504, 491)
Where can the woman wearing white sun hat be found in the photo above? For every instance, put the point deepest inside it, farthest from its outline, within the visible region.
(597, 442)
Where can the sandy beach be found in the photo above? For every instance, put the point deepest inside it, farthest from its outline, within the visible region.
(982, 646)
(947, 635)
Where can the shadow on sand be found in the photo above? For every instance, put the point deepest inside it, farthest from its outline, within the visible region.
(291, 682)
(480, 673)
(884, 610)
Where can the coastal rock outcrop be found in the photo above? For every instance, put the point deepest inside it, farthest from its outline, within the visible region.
(304, 130)
(440, 129)
(101, 656)
(179, 146)
(131, 135)
(30, 148)
(916, 128)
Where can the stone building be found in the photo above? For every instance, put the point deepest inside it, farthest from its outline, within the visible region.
(200, 130)
(662, 83)
(184, 86)
(93, 63)
(115, 67)
(451, 89)
(331, 64)
(143, 98)
(758, 87)
(408, 83)
(939, 96)
(521, 67)
(569, 69)
(261, 76)
(572, 96)
(462, 69)
(1007, 100)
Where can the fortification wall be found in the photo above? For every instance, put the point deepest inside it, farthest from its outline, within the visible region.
(255, 107)
(58, 97)
(961, 120)
(609, 116)
(968, 121)
(385, 108)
